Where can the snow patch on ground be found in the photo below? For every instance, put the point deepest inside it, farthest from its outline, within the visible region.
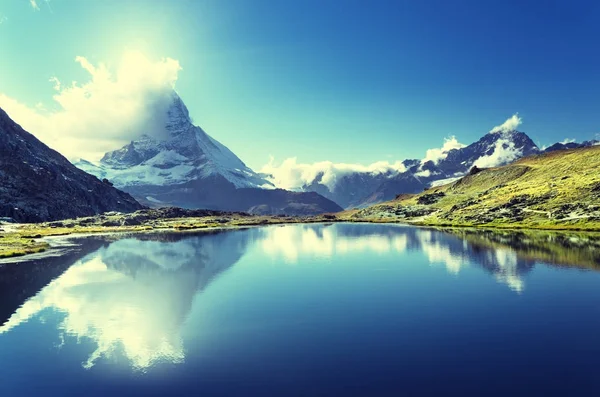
(153, 200)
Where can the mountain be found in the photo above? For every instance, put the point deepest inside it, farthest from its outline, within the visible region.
(570, 145)
(39, 184)
(188, 168)
(493, 149)
(360, 189)
(558, 189)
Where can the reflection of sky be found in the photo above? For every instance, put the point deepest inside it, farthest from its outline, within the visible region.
(133, 297)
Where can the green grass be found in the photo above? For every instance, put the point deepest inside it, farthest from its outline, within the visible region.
(558, 191)
(14, 244)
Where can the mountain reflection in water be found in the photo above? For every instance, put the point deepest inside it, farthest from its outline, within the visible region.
(131, 296)
(135, 293)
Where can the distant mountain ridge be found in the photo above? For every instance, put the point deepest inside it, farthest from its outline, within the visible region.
(190, 169)
(571, 145)
(39, 184)
(359, 189)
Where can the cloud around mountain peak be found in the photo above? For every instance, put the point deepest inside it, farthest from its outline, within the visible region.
(110, 109)
(509, 125)
(437, 154)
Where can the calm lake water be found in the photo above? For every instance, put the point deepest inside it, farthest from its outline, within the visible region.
(305, 310)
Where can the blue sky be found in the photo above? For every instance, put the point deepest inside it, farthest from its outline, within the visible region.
(344, 81)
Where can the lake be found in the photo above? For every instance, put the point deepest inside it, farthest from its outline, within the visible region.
(305, 310)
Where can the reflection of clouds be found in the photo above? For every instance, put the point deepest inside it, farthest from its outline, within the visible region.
(503, 263)
(507, 270)
(112, 309)
(133, 297)
(292, 241)
(439, 251)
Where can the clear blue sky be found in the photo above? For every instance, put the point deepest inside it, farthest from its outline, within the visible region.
(346, 81)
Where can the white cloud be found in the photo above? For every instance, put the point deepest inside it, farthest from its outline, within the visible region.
(504, 153)
(2, 19)
(105, 112)
(34, 5)
(438, 154)
(291, 175)
(423, 173)
(567, 140)
(510, 124)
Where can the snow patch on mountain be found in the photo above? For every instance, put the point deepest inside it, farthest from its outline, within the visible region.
(441, 182)
(143, 174)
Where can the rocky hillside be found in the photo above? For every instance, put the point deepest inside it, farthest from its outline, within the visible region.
(39, 184)
(557, 189)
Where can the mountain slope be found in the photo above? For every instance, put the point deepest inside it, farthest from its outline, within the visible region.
(559, 189)
(188, 168)
(38, 184)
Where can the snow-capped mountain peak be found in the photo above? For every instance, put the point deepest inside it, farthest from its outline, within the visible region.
(178, 117)
(184, 153)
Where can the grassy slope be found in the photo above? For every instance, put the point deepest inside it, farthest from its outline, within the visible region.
(558, 190)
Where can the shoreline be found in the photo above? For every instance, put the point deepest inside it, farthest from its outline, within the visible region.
(25, 240)
(22, 241)
(483, 226)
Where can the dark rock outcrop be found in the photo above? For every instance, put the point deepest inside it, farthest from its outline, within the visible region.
(38, 184)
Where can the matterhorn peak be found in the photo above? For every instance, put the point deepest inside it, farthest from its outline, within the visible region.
(177, 116)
